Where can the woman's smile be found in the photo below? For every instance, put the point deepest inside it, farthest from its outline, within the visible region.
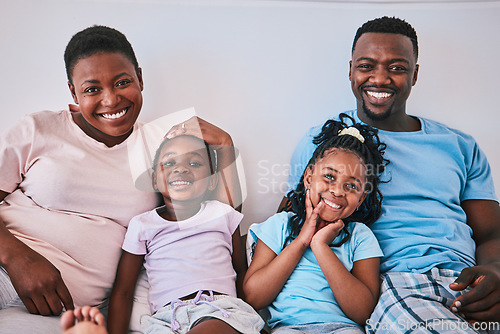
(108, 91)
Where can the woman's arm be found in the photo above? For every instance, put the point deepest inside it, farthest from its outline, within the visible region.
(122, 295)
(239, 262)
(37, 282)
(228, 188)
(356, 291)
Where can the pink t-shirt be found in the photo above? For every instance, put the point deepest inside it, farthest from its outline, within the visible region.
(71, 199)
(186, 256)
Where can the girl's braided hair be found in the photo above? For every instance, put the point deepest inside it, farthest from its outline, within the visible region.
(371, 154)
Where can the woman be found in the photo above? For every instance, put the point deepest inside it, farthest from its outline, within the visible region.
(67, 187)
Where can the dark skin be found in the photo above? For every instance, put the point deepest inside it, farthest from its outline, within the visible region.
(482, 302)
(179, 159)
(120, 307)
(382, 72)
(102, 83)
(42, 293)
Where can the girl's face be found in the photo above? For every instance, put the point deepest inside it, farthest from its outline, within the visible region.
(183, 171)
(108, 92)
(338, 180)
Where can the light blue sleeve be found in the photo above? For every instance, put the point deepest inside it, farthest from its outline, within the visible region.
(273, 232)
(300, 157)
(479, 184)
(365, 244)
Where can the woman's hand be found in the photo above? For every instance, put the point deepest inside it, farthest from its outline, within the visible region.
(39, 284)
(228, 187)
(198, 127)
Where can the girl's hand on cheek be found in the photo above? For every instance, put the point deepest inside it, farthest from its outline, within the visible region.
(309, 228)
(328, 233)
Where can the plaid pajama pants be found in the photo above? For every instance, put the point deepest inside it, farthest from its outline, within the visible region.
(420, 303)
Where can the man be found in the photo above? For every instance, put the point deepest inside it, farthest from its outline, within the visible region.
(440, 226)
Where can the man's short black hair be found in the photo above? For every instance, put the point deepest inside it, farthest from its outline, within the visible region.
(390, 25)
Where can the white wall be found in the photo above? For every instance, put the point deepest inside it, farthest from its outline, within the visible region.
(265, 71)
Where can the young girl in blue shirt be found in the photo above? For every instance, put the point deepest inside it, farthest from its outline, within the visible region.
(315, 265)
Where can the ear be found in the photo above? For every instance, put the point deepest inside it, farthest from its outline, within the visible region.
(74, 107)
(415, 75)
(307, 177)
(365, 193)
(153, 181)
(139, 76)
(350, 69)
(73, 93)
(212, 182)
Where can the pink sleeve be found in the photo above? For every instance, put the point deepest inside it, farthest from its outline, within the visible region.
(16, 144)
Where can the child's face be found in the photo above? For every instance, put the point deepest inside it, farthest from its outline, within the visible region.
(183, 170)
(338, 180)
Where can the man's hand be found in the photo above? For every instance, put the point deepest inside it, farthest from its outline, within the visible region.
(482, 302)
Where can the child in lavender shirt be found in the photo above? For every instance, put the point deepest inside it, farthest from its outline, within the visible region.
(187, 245)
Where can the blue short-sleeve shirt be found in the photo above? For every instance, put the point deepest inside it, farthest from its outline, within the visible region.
(431, 172)
(306, 297)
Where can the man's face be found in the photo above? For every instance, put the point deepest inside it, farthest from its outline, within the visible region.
(382, 71)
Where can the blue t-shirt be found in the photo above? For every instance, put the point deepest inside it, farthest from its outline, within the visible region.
(306, 297)
(431, 172)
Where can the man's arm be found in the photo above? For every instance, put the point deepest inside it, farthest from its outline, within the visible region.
(482, 302)
(283, 204)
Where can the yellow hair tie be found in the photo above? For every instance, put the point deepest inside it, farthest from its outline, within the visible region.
(352, 131)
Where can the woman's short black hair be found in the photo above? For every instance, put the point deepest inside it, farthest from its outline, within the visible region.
(94, 40)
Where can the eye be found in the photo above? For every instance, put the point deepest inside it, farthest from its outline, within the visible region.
(123, 82)
(351, 187)
(195, 164)
(397, 68)
(91, 90)
(364, 67)
(168, 163)
(329, 177)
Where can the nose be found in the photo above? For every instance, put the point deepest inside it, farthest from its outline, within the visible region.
(337, 189)
(109, 98)
(181, 169)
(380, 76)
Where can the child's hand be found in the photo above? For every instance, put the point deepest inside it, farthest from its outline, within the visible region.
(327, 232)
(309, 228)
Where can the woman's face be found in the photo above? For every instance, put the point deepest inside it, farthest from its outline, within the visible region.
(108, 92)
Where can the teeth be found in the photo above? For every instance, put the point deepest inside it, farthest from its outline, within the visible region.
(331, 204)
(180, 183)
(115, 116)
(378, 95)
